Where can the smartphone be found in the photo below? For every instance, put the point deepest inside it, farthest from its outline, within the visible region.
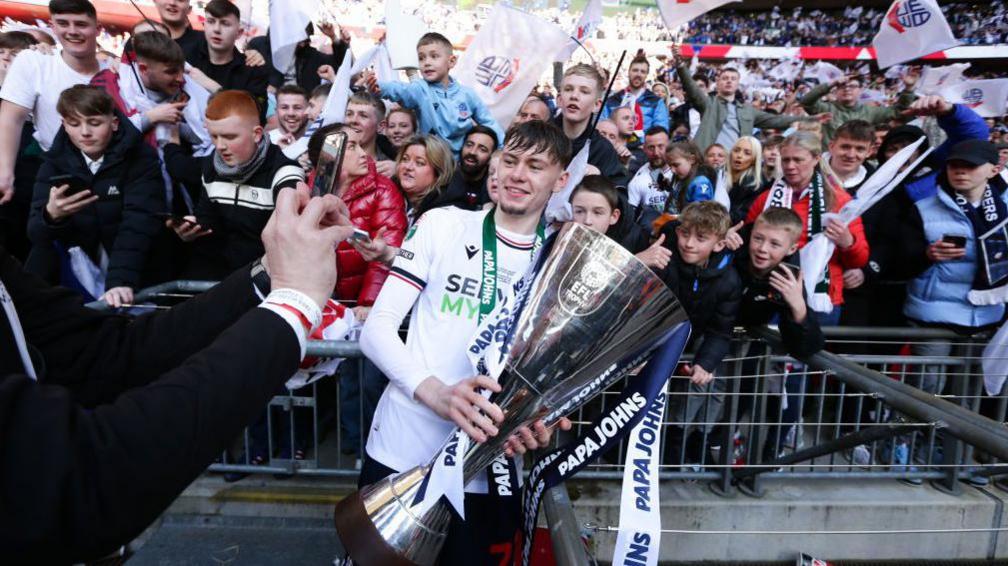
(177, 218)
(794, 269)
(957, 241)
(360, 236)
(75, 184)
(330, 161)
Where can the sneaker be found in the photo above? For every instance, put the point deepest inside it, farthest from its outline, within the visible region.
(978, 481)
(860, 456)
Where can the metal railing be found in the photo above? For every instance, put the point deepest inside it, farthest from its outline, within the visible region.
(872, 408)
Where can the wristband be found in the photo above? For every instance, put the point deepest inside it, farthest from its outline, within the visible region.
(300, 315)
(291, 299)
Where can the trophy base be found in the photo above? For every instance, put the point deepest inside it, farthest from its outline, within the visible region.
(362, 541)
(377, 527)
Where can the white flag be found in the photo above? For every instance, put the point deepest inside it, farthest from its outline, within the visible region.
(558, 209)
(995, 361)
(507, 57)
(678, 12)
(935, 79)
(912, 29)
(988, 98)
(288, 20)
(402, 43)
(823, 72)
(590, 20)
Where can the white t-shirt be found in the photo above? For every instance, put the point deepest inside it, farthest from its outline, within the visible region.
(643, 189)
(35, 81)
(437, 276)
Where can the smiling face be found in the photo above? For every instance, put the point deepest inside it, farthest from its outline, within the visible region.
(292, 112)
(847, 155)
(476, 153)
(235, 138)
(166, 78)
(174, 13)
(77, 33)
(578, 99)
(695, 247)
(222, 33)
(91, 134)
(526, 180)
(769, 245)
(363, 119)
(399, 127)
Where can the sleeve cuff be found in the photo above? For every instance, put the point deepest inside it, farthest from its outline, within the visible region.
(285, 302)
(411, 380)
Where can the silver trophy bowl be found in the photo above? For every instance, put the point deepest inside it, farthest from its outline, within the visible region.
(593, 313)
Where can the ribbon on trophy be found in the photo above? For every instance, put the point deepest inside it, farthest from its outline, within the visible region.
(641, 402)
(487, 351)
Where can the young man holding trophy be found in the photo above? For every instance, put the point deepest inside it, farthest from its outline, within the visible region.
(451, 270)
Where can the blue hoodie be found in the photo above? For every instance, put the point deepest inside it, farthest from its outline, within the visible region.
(448, 112)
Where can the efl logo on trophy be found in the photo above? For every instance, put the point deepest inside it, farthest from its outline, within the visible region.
(588, 284)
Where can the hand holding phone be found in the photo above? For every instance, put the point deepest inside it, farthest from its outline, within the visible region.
(360, 236)
(956, 241)
(64, 203)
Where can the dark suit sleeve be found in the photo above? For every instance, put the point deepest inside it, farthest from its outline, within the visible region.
(97, 356)
(78, 483)
(143, 198)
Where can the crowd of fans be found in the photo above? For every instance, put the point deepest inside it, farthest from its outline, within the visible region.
(162, 162)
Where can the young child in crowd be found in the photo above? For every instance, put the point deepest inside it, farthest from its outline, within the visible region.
(692, 181)
(445, 107)
(701, 274)
(596, 204)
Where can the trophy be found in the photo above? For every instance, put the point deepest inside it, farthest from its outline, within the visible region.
(592, 313)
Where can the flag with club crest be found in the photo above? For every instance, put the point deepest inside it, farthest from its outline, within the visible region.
(935, 79)
(507, 57)
(590, 20)
(988, 98)
(912, 29)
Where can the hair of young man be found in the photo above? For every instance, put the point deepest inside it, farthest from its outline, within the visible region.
(481, 129)
(291, 89)
(368, 99)
(589, 72)
(159, 48)
(434, 37)
(321, 91)
(226, 103)
(857, 130)
(655, 130)
(783, 218)
(222, 9)
(439, 156)
(640, 60)
(713, 145)
(729, 70)
(775, 140)
(540, 137)
(73, 7)
(409, 112)
(705, 217)
(600, 185)
(85, 100)
(158, 26)
(17, 40)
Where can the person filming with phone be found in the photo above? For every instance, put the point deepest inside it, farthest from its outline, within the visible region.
(95, 200)
(240, 179)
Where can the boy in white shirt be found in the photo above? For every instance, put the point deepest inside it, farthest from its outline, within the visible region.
(34, 83)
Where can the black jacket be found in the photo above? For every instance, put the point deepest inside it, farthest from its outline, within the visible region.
(126, 413)
(191, 42)
(236, 75)
(628, 233)
(711, 297)
(742, 194)
(601, 154)
(762, 305)
(124, 219)
(237, 213)
(306, 62)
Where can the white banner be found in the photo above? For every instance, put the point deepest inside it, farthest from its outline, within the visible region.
(586, 26)
(559, 209)
(402, 43)
(912, 29)
(678, 12)
(639, 536)
(288, 20)
(507, 57)
(935, 79)
(988, 98)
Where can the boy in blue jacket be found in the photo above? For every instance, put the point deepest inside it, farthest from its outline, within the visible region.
(444, 106)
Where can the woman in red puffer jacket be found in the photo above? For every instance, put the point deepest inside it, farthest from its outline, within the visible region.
(374, 202)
